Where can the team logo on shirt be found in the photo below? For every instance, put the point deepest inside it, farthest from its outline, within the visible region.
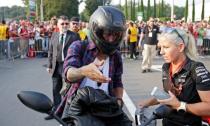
(202, 73)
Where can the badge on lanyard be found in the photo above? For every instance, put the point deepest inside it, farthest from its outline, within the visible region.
(150, 34)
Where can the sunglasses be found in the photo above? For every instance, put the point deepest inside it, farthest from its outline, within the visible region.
(173, 30)
(65, 23)
(75, 23)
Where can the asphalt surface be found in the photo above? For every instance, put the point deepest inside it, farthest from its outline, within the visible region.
(30, 74)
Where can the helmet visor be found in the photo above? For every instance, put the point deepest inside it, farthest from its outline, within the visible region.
(109, 36)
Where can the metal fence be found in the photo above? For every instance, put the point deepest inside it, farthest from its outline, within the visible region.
(11, 49)
(206, 47)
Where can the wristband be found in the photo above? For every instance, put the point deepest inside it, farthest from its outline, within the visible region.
(182, 107)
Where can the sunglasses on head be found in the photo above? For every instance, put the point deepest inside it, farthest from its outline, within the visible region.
(65, 23)
(173, 30)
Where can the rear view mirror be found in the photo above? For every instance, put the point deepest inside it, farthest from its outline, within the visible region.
(36, 101)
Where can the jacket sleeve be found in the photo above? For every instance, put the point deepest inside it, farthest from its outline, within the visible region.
(50, 51)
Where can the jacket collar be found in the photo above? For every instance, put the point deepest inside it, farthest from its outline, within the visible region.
(186, 67)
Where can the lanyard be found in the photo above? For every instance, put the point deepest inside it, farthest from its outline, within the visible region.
(176, 89)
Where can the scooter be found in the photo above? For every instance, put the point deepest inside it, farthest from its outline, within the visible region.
(41, 103)
(160, 112)
(107, 113)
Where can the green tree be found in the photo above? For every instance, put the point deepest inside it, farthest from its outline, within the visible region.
(178, 11)
(154, 8)
(202, 13)
(91, 6)
(142, 9)
(138, 6)
(126, 9)
(56, 8)
(193, 11)
(162, 9)
(186, 11)
(159, 9)
(131, 10)
(38, 3)
(84, 16)
(148, 10)
(134, 10)
(13, 13)
(120, 5)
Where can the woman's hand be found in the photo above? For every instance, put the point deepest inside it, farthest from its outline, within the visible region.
(147, 103)
(172, 101)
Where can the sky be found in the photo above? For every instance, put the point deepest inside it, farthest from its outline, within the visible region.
(11, 3)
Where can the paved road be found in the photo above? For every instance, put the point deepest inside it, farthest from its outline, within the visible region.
(30, 74)
(139, 85)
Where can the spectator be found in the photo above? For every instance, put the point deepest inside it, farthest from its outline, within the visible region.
(59, 43)
(150, 42)
(24, 39)
(187, 81)
(4, 35)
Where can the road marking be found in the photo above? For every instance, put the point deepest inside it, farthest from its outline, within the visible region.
(127, 100)
(157, 67)
(129, 104)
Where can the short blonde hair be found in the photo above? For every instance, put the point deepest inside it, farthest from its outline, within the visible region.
(176, 36)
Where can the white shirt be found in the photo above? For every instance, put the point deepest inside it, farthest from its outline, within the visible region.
(64, 38)
(104, 86)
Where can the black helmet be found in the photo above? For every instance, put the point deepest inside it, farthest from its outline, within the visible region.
(110, 21)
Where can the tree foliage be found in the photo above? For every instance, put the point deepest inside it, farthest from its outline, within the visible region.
(57, 8)
(202, 13)
(159, 14)
(134, 10)
(14, 12)
(61, 7)
(162, 9)
(186, 11)
(148, 10)
(131, 8)
(142, 9)
(90, 7)
(193, 11)
(126, 9)
(154, 8)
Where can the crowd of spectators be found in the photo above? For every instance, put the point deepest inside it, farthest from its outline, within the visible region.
(29, 39)
(200, 30)
(26, 39)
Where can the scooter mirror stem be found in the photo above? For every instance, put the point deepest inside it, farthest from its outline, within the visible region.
(59, 120)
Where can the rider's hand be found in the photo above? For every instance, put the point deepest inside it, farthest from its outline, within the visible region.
(92, 71)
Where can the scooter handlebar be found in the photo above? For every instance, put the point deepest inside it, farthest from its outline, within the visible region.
(161, 112)
(149, 120)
